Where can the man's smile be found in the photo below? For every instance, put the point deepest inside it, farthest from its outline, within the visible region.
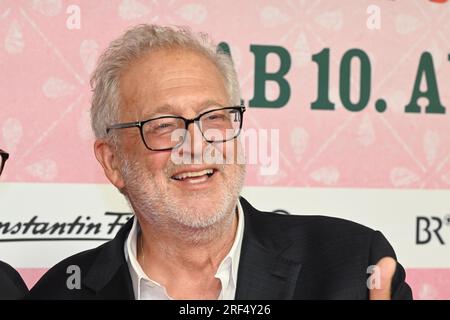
(194, 176)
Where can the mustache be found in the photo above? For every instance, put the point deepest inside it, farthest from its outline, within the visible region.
(130, 167)
(172, 169)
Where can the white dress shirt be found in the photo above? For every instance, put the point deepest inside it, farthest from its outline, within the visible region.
(148, 289)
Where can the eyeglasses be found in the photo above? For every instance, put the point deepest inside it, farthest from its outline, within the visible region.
(169, 132)
(4, 155)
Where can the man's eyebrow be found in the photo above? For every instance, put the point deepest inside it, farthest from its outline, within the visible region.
(165, 108)
(177, 110)
(208, 103)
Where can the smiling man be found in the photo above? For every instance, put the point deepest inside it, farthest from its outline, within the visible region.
(161, 95)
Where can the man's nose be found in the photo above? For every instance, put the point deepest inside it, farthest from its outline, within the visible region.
(193, 143)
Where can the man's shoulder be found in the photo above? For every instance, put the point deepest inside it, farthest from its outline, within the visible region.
(313, 225)
(54, 283)
(83, 259)
(88, 274)
(330, 250)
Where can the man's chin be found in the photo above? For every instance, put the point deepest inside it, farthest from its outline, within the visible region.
(199, 211)
(194, 194)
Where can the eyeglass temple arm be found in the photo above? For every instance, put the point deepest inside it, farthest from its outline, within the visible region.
(124, 125)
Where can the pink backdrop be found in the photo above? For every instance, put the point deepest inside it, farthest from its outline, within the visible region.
(45, 94)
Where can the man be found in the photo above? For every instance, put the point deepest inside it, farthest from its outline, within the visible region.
(163, 98)
(11, 284)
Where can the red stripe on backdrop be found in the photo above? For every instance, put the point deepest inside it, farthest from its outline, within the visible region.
(426, 283)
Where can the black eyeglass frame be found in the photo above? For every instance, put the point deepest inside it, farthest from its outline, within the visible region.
(4, 155)
(187, 122)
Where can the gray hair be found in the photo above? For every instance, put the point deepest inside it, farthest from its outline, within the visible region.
(132, 45)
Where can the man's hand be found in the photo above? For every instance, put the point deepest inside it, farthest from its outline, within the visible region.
(386, 268)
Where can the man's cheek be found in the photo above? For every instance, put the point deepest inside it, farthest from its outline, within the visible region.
(158, 162)
(229, 152)
(214, 153)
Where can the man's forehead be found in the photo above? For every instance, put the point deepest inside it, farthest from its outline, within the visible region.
(159, 57)
(140, 112)
(166, 63)
(160, 82)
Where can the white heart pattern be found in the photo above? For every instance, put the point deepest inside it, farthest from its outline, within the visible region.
(299, 141)
(326, 175)
(55, 88)
(302, 53)
(14, 42)
(88, 54)
(272, 16)
(49, 8)
(431, 143)
(405, 24)
(195, 13)
(366, 133)
(132, 9)
(403, 177)
(330, 20)
(12, 132)
(46, 170)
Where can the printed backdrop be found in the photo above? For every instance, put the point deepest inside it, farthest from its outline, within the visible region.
(376, 162)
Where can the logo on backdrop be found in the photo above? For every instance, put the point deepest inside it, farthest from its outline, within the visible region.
(80, 228)
(432, 229)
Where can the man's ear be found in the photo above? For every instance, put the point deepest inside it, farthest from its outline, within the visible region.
(107, 157)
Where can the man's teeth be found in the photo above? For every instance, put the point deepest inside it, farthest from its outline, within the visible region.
(185, 175)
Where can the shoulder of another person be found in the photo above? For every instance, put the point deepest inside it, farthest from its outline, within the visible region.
(6, 268)
(12, 285)
(8, 271)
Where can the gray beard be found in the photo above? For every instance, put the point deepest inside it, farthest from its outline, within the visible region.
(151, 201)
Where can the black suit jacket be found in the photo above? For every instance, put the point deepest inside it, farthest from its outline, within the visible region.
(12, 286)
(282, 257)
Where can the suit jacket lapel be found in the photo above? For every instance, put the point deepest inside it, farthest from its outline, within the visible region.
(267, 268)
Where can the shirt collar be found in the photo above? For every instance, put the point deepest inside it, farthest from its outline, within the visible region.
(137, 274)
(228, 268)
(227, 271)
